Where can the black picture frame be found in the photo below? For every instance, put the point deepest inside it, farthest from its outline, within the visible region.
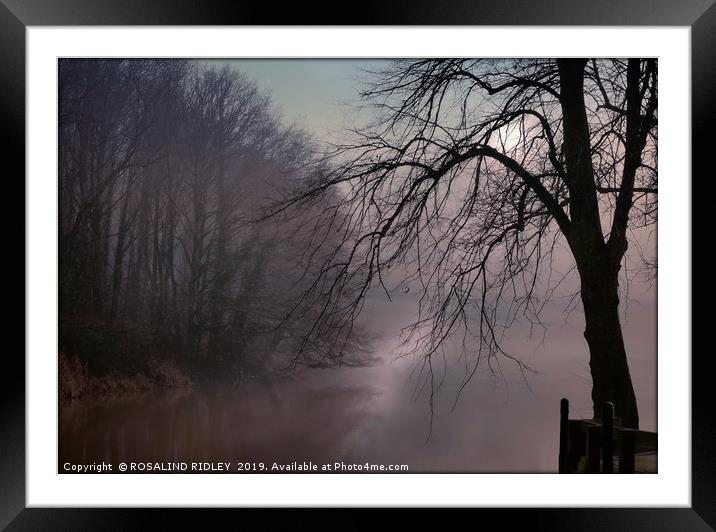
(17, 15)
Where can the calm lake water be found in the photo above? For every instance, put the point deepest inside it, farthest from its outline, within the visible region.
(347, 415)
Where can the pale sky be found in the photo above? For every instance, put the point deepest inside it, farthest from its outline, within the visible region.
(310, 92)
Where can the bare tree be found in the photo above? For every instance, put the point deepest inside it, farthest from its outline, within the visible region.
(106, 108)
(473, 174)
(160, 162)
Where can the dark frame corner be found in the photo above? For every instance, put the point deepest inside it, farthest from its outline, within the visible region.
(700, 15)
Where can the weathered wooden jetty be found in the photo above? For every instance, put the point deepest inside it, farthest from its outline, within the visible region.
(602, 445)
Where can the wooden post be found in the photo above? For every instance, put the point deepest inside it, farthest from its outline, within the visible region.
(608, 437)
(577, 443)
(594, 445)
(626, 450)
(564, 436)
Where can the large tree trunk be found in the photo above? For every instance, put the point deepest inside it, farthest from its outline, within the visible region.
(598, 266)
(611, 380)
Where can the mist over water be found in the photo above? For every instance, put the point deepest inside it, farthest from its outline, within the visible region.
(375, 414)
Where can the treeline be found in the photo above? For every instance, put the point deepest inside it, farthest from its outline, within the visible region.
(162, 166)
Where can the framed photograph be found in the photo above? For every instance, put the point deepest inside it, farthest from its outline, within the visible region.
(403, 260)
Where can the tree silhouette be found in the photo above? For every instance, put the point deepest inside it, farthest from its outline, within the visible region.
(161, 164)
(473, 174)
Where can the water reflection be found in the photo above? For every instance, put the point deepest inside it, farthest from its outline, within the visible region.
(285, 421)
